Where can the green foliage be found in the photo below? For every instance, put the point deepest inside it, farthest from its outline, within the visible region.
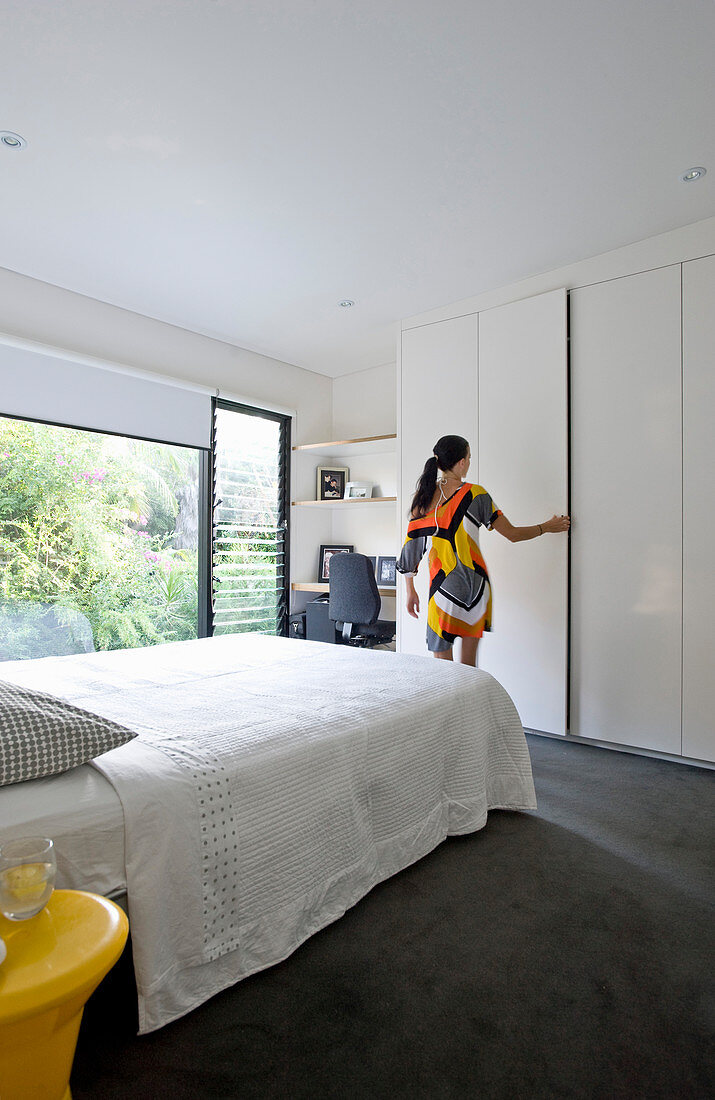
(87, 524)
(247, 540)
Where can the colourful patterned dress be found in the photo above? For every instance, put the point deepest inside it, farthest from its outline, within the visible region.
(460, 596)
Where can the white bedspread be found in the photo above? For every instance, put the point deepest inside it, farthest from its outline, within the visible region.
(82, 813)
(273, 783)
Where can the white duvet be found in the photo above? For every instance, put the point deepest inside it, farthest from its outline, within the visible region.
(273, 783)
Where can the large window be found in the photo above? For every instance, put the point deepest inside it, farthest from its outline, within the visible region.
(99, 541)
(110, 542)
(250, 528)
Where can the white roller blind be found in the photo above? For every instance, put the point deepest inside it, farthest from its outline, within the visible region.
(54, 387)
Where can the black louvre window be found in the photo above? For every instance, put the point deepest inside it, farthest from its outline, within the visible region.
(250, 528)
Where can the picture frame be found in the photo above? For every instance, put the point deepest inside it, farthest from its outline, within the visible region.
(373, 561)
(387, 572)
(326, 553)
(358, 490)
(331, 481)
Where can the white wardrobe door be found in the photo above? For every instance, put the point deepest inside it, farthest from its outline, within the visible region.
(523, 464)
(438, 396)
(698, 509)
(627, 511)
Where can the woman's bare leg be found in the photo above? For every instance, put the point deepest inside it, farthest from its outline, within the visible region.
(445, 654)
(468, 651)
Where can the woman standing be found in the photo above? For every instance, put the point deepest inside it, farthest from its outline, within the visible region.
(450, 510)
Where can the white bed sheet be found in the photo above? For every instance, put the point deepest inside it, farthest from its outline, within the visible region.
(273, 783)
(81, 811)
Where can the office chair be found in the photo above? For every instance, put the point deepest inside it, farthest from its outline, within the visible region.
(355, 602)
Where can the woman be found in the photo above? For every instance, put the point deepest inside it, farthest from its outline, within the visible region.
(451, 511)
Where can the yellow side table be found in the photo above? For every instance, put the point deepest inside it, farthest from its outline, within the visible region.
(54, 962)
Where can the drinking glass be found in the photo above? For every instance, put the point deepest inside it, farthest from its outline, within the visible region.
(27, 876)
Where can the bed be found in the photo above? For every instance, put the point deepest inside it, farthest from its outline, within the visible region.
(270, 784)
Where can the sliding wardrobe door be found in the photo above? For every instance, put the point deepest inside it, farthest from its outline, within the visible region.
(627, 510)
(698, 509)
(438, 396)
(523, 464)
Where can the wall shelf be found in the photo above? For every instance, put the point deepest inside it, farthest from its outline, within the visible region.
(383, 506)
(342, 503)
(323, 586)
(369, 444)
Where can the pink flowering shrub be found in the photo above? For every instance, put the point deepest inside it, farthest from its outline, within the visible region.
(94, 476)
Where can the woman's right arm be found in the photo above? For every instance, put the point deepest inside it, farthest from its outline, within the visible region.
(408, 564)
(413, 601)
(555, 525)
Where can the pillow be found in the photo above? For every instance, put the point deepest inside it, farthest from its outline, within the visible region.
(41, 735)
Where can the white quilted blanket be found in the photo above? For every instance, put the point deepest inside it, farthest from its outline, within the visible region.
(274, 782)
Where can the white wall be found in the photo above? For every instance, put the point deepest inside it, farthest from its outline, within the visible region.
(50, 315)
(36, 311)
(365, 403)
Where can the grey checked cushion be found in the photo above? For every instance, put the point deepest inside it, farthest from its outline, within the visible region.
(41, 735)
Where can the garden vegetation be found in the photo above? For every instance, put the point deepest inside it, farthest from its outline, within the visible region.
(98, 541)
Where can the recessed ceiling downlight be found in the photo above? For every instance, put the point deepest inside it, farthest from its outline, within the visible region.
(346, 303)
(693, 174)
(12, 141)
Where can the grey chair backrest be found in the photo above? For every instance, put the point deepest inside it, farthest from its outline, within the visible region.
(354, 597)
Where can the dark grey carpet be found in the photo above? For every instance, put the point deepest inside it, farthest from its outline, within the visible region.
(565, 953)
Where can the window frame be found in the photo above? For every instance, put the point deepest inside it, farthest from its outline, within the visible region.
(206, 486)
(204, 504)
(284, 421)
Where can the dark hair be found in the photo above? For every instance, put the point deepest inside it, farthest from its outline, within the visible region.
(446, 452)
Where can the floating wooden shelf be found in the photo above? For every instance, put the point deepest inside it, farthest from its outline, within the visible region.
(323, 586)
(368, 444)
(338, 503)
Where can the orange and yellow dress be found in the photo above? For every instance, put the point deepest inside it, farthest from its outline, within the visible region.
(460, 595)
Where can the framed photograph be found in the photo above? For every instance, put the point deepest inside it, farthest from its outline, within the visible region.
(331, 482)
(326, 553)
(386, 572)
(372, 560)
(358, 490)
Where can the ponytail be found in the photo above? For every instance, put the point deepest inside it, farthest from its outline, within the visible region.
(425, 488)
(448, 450)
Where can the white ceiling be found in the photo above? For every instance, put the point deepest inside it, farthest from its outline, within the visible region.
(236, 167)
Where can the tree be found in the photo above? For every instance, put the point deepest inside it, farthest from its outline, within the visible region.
(87, 522)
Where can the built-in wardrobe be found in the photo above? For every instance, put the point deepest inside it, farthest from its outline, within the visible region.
(596, 398)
